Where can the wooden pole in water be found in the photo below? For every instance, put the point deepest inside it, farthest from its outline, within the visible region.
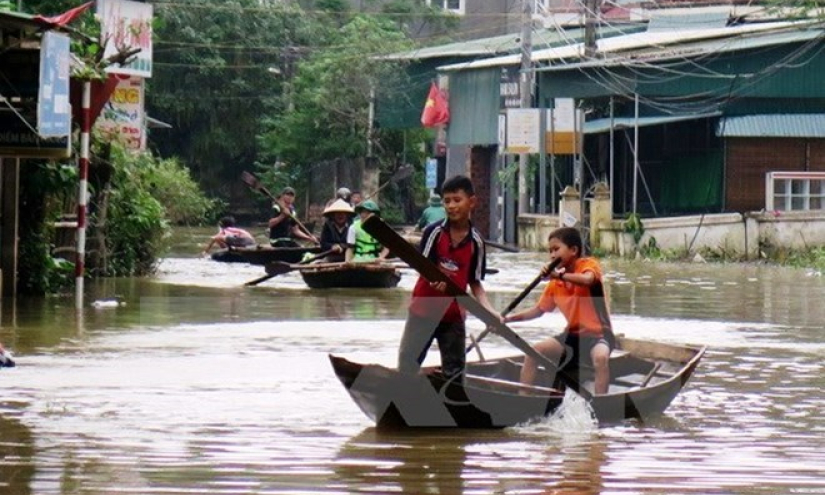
(83, 192)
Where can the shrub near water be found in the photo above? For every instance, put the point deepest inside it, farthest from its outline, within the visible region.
(133, 199)
(147, 195)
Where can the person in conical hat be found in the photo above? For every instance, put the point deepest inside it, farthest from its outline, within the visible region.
(339, 216)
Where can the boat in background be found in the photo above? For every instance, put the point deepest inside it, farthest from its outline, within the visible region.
(261, 254)
(645, 377)
(350, 275)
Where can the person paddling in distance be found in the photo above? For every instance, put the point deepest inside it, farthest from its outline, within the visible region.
(432, 213)
(575, 287)
(458, 249)
(360, 245)
(229, 236)
(283, 229)
(6, 360)
(336, 227)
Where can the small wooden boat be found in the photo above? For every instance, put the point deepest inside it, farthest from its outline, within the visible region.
(645, 378)
(261, 255)
(362, 275)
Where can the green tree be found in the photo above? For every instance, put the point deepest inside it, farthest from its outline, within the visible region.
(213, 80)
(326, 115)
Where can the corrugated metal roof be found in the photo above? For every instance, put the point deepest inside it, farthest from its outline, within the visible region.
(702, 47)
(666, 43)
(603, 125)
(665, 20)
(779, 125)
(485, 46)
(510, 43)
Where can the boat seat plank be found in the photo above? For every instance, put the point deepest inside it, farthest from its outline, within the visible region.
(504, 384)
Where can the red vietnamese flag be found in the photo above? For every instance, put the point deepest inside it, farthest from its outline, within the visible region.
(436, 110)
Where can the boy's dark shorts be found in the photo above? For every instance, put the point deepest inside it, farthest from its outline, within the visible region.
(577, 348)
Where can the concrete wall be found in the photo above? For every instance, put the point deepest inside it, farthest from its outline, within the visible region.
(533, 230)
(731, 234)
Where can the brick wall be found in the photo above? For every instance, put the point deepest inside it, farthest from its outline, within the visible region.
(481, 163)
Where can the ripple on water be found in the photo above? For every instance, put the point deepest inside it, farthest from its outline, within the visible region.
(248, 403)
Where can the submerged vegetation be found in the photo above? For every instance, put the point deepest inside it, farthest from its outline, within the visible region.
(133, 200)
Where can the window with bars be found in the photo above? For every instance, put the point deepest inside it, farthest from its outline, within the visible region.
(454, 6)
(795, 191)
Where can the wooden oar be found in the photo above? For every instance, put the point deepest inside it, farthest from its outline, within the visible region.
(517, 300)
(487, 271)
(253, 182)
(401, 173)
(503, 247)
(276, 268)
(404, 250)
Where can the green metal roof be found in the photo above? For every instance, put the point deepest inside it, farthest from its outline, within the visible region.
(603, 125)
(779, 125)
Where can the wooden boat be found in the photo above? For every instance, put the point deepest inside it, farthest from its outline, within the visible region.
(362, 275)
(261, 254)
(645, 378)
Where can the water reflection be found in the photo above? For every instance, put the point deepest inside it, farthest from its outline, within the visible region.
(444, 461)
(200, 385)
(403, 462)
(16, 456)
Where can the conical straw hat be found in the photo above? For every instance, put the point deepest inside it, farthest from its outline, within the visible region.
(339, 206)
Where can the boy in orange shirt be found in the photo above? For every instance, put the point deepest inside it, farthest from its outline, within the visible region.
(575, 288)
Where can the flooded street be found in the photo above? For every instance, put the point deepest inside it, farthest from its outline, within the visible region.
(199, 385)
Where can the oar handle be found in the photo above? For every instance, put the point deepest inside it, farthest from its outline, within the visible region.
(515, 302)
(253, 182)
(503, 247)
(279, 268)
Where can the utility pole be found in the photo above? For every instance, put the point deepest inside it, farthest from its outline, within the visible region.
(591, 10)
(526, 93)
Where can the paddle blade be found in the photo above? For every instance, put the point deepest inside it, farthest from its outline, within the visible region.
(250, 180)
(278, 267)
(402, 173)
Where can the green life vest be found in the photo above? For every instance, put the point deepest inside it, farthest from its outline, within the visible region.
(366, 247)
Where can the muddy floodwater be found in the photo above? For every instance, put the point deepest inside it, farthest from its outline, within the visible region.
(195, 384)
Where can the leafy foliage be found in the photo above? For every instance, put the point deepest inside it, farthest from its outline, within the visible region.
(633, 225)
(326, 115)
(212, 80)
(146, 194)
(40, 272)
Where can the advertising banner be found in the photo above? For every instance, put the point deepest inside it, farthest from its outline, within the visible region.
(123, 116)
(54, 117)
(127, 25)
(562, 136)
(523, 134)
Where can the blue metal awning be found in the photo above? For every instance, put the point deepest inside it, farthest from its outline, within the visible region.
(603, 125)
(776, 125)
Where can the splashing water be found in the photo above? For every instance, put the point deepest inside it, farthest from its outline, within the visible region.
(573, 418)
